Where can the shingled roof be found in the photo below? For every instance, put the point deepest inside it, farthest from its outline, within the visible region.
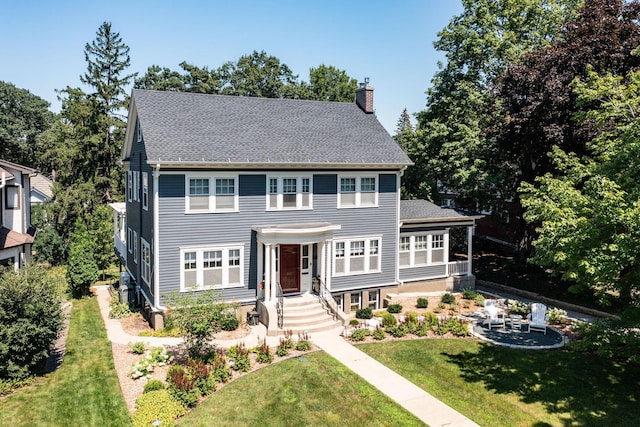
(416, 211)
(189, 128)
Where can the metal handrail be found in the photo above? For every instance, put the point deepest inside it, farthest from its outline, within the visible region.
(327, 299)
(280, 305)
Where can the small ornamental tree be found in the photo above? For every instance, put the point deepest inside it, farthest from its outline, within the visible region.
(82, 269)
(30, 320)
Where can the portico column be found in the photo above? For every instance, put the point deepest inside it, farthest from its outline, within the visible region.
(273, 290)
(469, 249)
(328, 260)
(322, 261)
(267, 273)
(260, 268)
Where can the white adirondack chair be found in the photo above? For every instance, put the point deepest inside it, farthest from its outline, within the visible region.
(494, 317)
(538, 317)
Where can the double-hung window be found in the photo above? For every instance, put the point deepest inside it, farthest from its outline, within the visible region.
(130, 240)
(136, 186)
(289, 192)
(357, 191)
(355, 304)
(146, 261)
(145, 191)
(211, 194)
(129, 185)
(420, 250)
(135, 247)
(211, 268)
(356, 256)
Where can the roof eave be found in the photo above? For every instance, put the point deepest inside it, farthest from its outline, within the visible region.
(277, 165)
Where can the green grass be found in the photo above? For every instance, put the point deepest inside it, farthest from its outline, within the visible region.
(84, 391)
(314, 390)
(497, 386)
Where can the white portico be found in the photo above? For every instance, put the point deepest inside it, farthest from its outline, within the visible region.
(290, 255)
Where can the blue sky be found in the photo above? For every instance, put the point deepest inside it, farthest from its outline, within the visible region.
(391, 42)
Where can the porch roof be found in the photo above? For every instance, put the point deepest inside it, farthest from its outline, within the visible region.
(11, 239)
(308, 228)
(424, 212)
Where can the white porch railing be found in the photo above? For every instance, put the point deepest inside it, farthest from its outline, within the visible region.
(457, 268)
(119, 245)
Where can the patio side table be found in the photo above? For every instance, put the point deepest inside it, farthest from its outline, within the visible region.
(516, 321)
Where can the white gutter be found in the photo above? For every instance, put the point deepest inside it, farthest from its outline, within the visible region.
(156, 239)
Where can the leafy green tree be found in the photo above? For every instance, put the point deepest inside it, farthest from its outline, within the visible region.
(537, 95)
(101, 230)
(328, 83)
(30, 319)
(589, 213)
(23, 118)
(480, 44)
(259, 74)
(49, 246)
(157, 78)
(82, 269)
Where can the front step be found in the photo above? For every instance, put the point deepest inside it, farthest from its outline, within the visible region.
(305, 313)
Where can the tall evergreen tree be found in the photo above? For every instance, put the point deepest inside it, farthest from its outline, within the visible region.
(107, 59)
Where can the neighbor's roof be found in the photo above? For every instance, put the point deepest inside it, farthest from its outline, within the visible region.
(425, 211)
(42, 184)
(10, 165)
(188, 128)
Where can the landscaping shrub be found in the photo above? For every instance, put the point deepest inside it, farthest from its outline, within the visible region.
(354, 322)
(397, 331)
(153, 385)
(286, 344)
(448, 298)
(220, 370)
(457, 327)
(389, 319)
(30, 319)
(359, 334)
(239, 355)
(137, 347)
(157, 356)
(118, 310)
(264, 353)
(364, 313)
(82, 268)
(199, 316)
(609, 339)
(156, 405)
(182, 387)
(518, 307)
(430, 319)
(479, 300)
(229, 322)
(411, 317)
(422, 329)
(422, 303)
(469, 294)
(200, 372)
(394, 308)
(556, 315)
(304, 342)
(379, 334)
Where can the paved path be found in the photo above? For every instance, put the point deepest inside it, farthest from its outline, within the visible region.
(411, 397)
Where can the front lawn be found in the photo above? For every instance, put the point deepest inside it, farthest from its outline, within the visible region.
(313, 390)
(497, 386)
(84, 391)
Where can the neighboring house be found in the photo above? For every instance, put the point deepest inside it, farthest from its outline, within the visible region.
(262, 199)
(16, 233)
(41, 189)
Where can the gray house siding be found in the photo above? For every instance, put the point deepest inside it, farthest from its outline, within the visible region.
(179, 229)
(423, 272)
(139, 219)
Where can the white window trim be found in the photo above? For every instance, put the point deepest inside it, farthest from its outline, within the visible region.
(146, 261)
(145, 191)
(279, 204)
(352, 303)
(130, 186)
(212, 192)
(358, 193)
(136, 186)
(377, 299)
(200, 268)
(412, 249)
(135, 247)
(347, 255)
(130, 240)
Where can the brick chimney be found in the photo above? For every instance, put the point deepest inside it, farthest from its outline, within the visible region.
(364, 96)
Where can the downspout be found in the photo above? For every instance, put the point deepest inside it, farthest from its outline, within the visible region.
(156, 238)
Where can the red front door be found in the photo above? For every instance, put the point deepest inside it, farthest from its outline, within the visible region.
(290, 268)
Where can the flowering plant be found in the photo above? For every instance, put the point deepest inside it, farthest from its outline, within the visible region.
(157, 356)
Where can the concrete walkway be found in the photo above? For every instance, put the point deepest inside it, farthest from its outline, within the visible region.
(405, 393)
